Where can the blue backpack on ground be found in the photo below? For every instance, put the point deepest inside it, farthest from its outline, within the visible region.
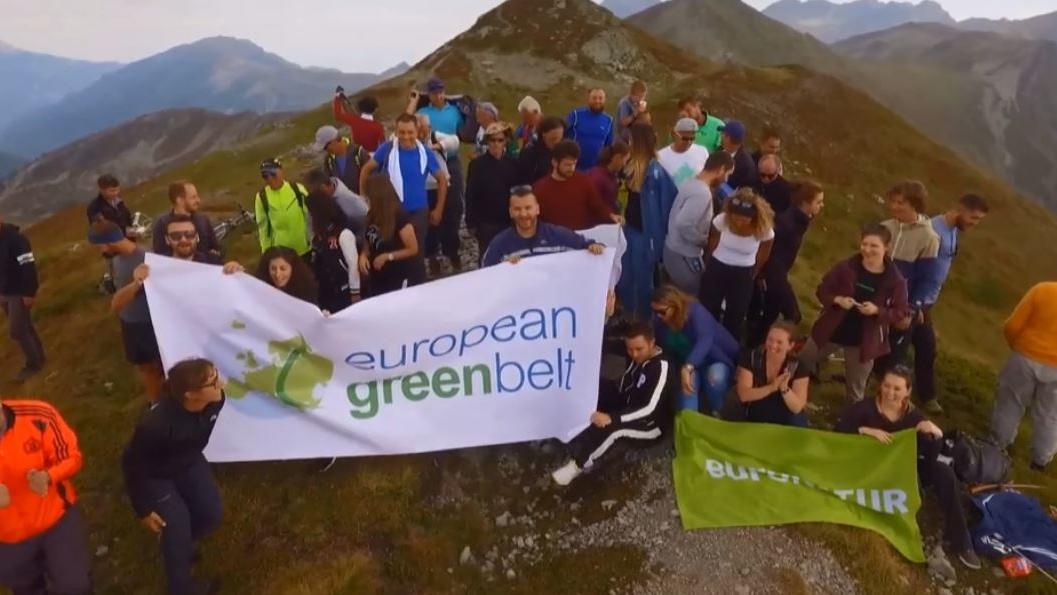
(1013, 523)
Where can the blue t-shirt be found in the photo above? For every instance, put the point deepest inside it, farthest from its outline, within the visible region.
(447, 119)
(592, 131)
(945, 257)
(411, 171)
(549, 239)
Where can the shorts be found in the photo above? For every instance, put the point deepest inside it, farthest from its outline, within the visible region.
(141, 347)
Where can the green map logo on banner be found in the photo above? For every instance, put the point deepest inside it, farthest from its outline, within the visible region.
(743, 474)
(291, 375)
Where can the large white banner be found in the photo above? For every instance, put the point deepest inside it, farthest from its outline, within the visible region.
(504, 354)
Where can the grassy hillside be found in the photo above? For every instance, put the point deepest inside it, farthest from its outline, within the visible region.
(397, 524)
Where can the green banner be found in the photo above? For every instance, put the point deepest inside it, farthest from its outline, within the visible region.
(740, 474)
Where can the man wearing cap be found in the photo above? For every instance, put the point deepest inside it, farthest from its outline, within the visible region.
(445, 118)
(18, 292)
(683, 159)
(280, 209)
(488, 184)
(591, 128)
(531, 114)
(43, 543)
(130, 303)
(343, 158)
(733, 138)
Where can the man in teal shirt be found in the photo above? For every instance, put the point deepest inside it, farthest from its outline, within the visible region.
(444, 117)
(708, 126)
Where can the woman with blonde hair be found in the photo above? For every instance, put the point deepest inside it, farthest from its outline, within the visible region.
(739, 245)
(693, 338)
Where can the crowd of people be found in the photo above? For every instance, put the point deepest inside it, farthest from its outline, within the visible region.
(704, 305)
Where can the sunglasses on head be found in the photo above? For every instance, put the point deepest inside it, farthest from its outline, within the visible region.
(742, 203)
(176, 236)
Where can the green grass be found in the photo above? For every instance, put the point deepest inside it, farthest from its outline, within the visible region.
(383, 524)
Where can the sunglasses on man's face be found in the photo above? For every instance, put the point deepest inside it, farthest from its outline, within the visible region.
(176, 236)
(267, 175)
(768, 176)
(687, 139)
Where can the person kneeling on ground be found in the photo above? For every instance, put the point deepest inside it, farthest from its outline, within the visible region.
(771, 384)
(167, 478)
(693, 337)
(891, 412)
(636, 407)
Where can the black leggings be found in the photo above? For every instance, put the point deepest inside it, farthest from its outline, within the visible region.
(940, 478)
(726, 291)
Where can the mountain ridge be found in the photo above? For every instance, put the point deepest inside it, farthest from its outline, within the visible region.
(216, 73)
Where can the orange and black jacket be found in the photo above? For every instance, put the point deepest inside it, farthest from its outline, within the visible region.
(36, 438)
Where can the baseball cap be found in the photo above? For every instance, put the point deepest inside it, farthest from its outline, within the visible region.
(434, 85)
(490, 108)
(105, 232)
(686, 125)
(734, 129)
(271, 165)
(324, 135)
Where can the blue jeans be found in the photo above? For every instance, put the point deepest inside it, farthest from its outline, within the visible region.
(635, 288)
(713, 381)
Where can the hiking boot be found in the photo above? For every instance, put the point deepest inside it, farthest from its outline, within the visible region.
(564, 475)
(27, 373)
(969, 559)
(932, 406)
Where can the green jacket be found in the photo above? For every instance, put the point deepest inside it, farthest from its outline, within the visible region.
(286, 221)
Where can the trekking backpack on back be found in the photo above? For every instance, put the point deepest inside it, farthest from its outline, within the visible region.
(263, 197)
(976, 461)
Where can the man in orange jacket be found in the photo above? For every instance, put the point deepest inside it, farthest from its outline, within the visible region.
(42, 538)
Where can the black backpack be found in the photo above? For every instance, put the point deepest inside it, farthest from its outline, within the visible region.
(263, 197)
(976, 461)
(330, 268)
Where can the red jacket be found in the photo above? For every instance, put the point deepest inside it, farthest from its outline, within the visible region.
(891, 300)
(367, 133)
(36, 438)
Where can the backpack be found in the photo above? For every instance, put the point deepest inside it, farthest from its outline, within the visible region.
(976, 461)
(332, 272)
(263, 197)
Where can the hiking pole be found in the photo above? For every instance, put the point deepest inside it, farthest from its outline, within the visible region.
(1032, 562)
(986, 487)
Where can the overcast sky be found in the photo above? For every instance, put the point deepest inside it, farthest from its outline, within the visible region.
(351, 35)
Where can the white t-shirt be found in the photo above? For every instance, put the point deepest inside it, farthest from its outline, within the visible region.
(683, 166)
(734, 250)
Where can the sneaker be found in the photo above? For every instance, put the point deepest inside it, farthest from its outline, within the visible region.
(932, 406)
(567, 473)
(970, 559)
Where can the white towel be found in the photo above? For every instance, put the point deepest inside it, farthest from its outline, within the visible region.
(393, 167)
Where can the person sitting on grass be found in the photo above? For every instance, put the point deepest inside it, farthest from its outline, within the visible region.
(693, 337)
(890, 412)
(284, 270)
(637, 407)
(771, 384)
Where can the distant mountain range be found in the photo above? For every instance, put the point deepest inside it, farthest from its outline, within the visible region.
(831, 22)
(8, 163)
(135, 150)
(32, 80)
(219, 73)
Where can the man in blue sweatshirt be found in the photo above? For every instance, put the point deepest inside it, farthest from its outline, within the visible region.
(531, 237)
(914, 248)
(591, 127)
